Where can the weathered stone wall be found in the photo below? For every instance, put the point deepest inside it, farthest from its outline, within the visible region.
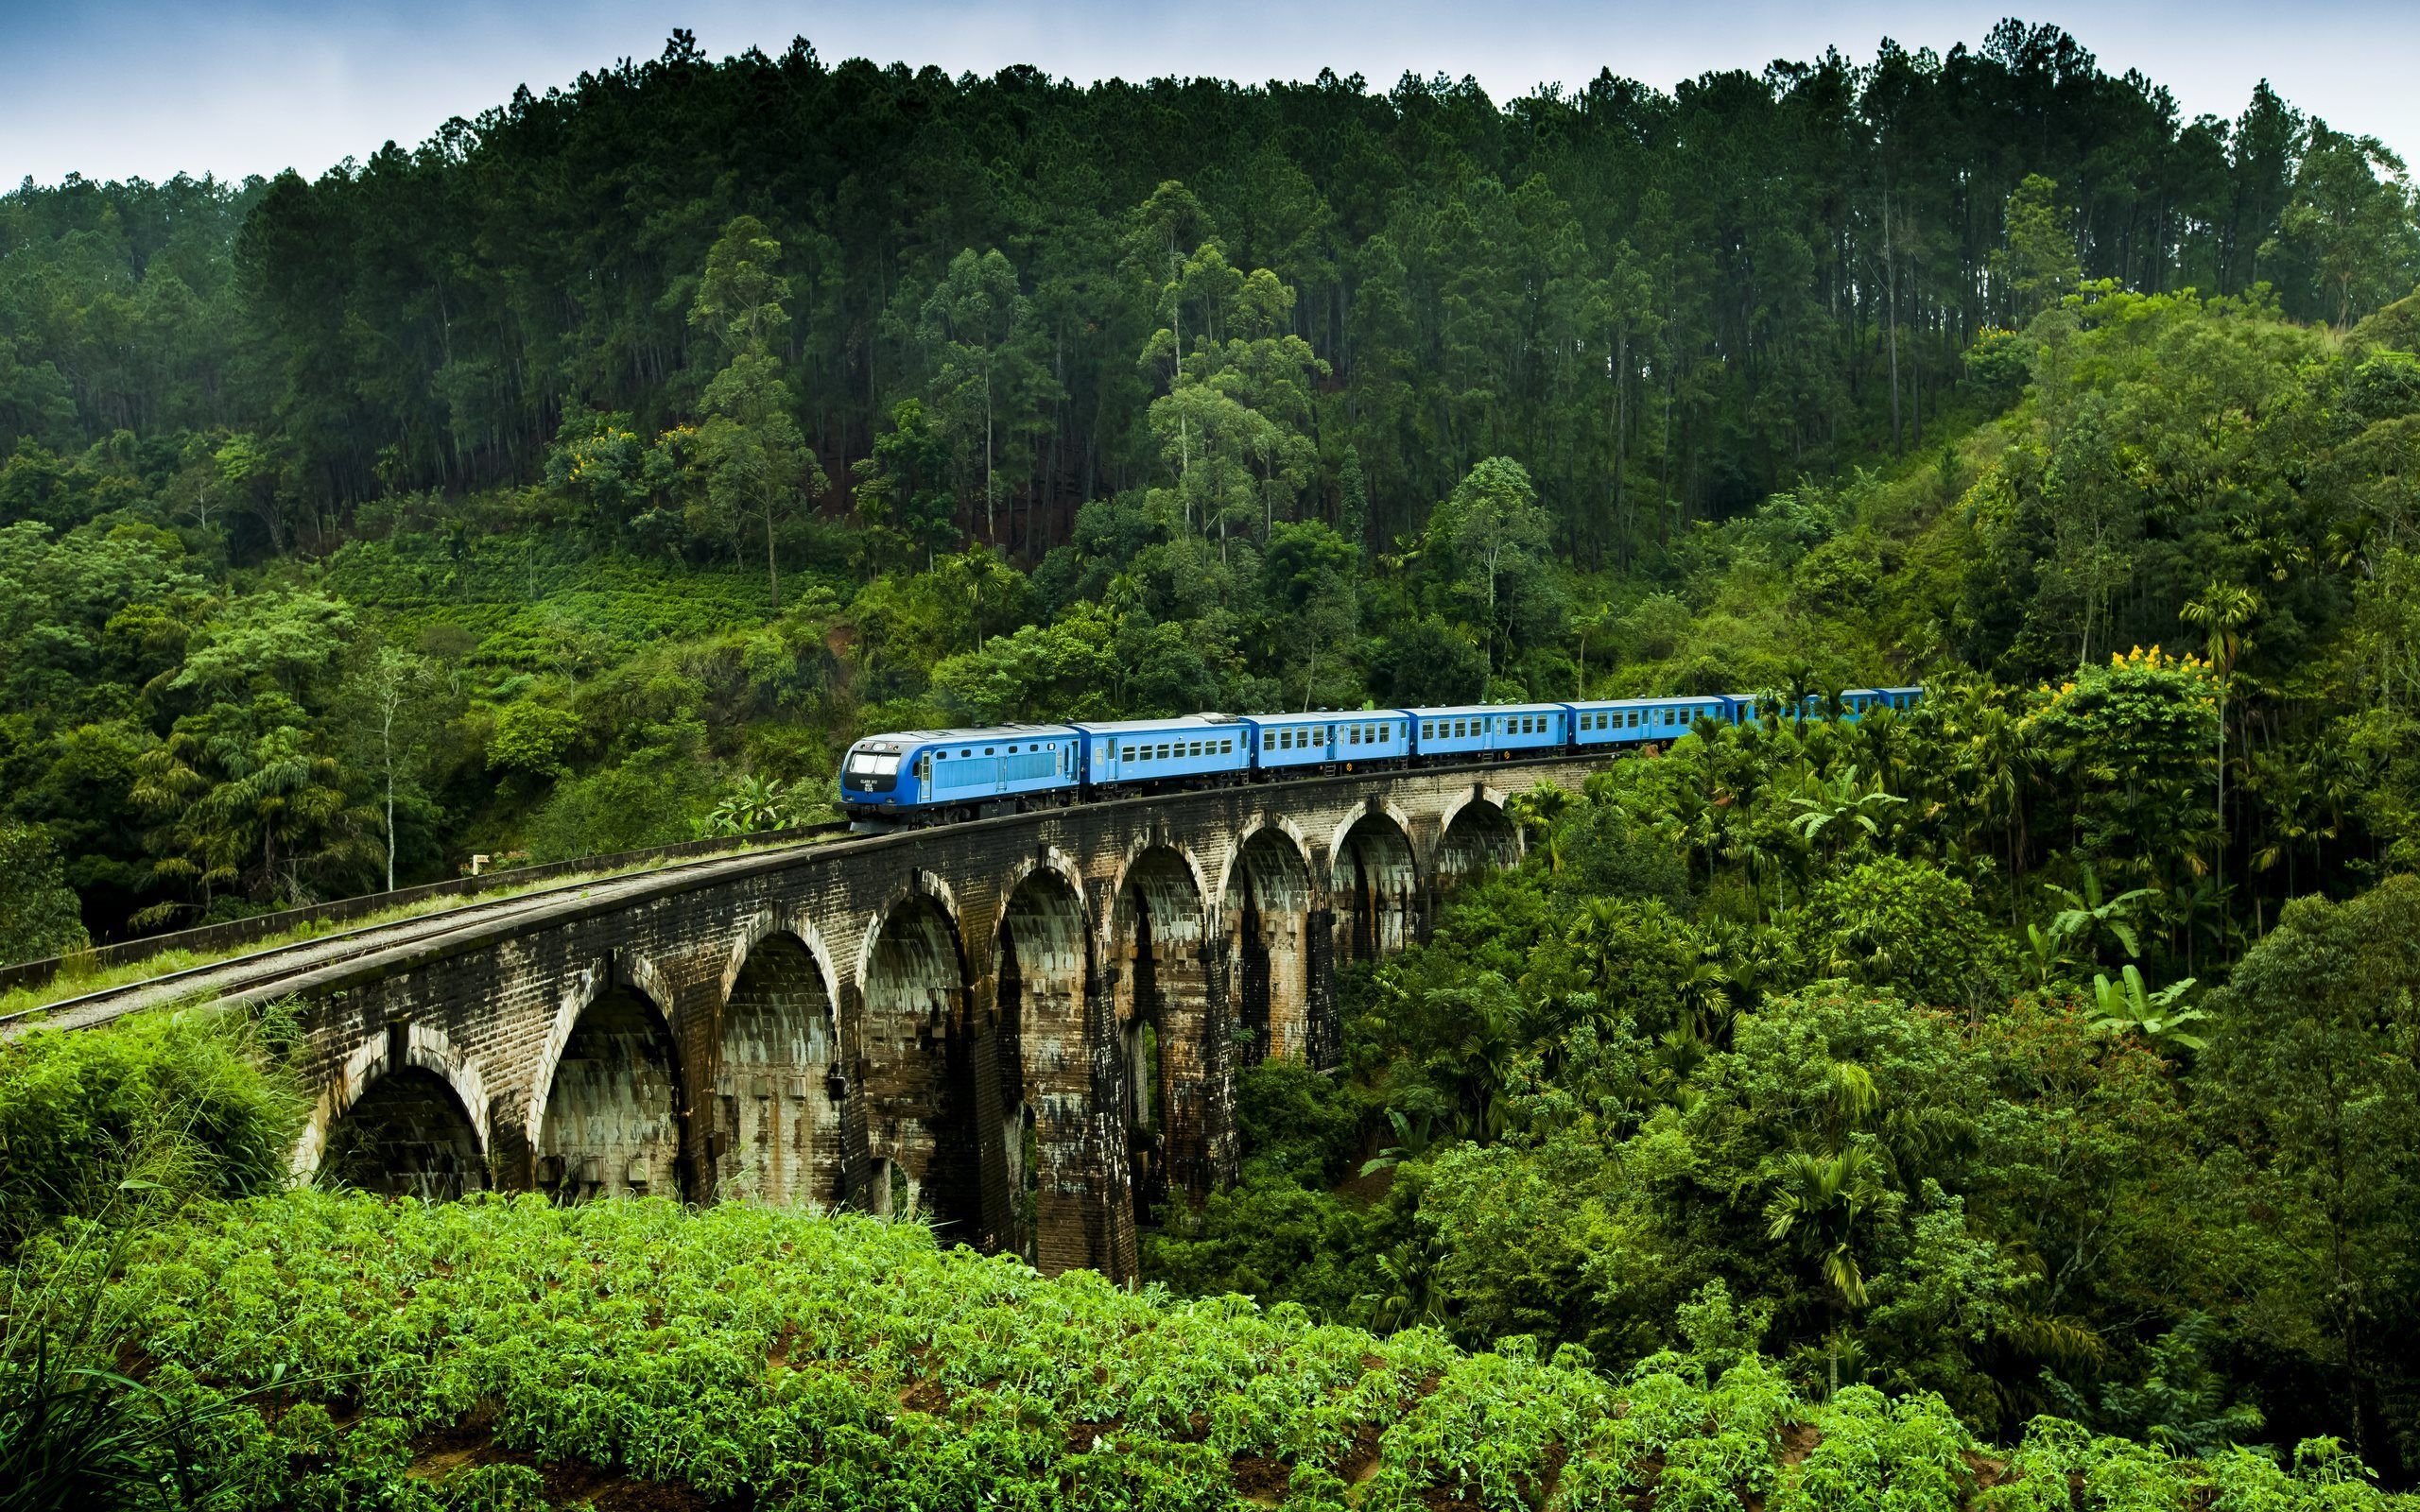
(1027, 1029)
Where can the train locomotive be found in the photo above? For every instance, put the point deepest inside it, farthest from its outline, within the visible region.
(917, 777)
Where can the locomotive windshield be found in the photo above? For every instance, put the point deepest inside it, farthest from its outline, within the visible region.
(874, 764)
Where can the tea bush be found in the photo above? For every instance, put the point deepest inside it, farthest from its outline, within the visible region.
(505, 1353)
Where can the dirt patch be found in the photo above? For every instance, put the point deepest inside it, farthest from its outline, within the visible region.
(1987, 1471)
(1541, 1491)
(576, 1482)
(566, 1483)
(1438, 1498)
(470, 1442)
(1648, 1475)
(1360, 1462)
(1798, 1441)
(924, 1394)
(1261, 1480)
(1364, 1190)
(1083, 1430)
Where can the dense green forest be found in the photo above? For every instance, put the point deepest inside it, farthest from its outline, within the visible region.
(2035, 1066)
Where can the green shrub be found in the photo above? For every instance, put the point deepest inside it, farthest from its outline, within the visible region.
(182, 1100)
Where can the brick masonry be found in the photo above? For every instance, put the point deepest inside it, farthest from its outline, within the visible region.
(1024, 1029)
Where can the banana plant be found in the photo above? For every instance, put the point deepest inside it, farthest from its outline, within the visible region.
(1414, 1139)
(2126, 1006)
(2048, 950)
(2090, 915)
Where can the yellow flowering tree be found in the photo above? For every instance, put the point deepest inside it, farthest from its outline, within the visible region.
(2131, 741)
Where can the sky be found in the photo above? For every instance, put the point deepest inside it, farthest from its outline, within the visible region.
(150, 87)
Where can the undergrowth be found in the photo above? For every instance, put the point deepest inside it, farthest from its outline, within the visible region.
(502, 1351)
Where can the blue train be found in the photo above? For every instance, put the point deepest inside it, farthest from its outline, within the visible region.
(925, 776)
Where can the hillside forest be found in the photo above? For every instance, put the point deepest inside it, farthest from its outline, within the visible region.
(2034, 1070)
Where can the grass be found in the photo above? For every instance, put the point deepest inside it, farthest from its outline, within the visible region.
(502, 1352)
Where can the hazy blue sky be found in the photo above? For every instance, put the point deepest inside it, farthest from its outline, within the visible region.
(152, 87)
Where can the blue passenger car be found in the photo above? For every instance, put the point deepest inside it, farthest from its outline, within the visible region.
(1373, 736)
(1637, 721)
(954, 773)
(1284, 744)
(1859, 703)
(1489, 729)
(1194, 750)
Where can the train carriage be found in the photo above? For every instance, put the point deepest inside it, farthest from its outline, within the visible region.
(1489, 731)
(1636, 721)
(1288, 743)
(1123, 755)
(929, 772)
(1859, 703)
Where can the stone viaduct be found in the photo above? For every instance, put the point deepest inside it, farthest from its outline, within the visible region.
(1024, 1029)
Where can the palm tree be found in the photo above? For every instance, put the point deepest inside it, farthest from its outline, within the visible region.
(1842, 806)
(1816, 1202)
(2002, 761)
(2224, 611)
(1410, 1297)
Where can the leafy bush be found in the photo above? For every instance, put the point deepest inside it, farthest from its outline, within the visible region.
(180, 1101)
(39, 915)
(782, 1360)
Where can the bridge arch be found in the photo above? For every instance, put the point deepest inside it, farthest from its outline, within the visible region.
(1477, 835)
(606, 1110)
(1172, 1039)
(1267, 901)
(916, 1065)
(406, 1115)
(1374, 883)
(777, 1128)
(1040, 1066)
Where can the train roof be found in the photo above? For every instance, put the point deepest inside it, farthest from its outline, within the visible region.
(1318, 716)
(930, 737)
(1143, 726)
(1545, 708)
(1657, 700)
